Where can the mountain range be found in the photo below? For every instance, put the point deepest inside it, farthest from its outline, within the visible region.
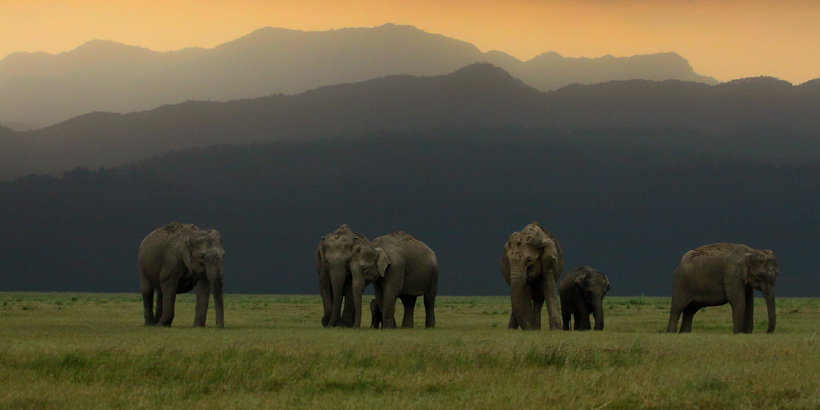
(40, 89)
(755, 118)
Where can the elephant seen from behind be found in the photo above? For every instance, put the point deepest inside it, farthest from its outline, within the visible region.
(400, 267)
(336, 283)
(531, 263)
(175, 259)
(582, 293)
(721, 273)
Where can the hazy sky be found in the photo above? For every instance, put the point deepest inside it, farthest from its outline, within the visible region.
(726, 39)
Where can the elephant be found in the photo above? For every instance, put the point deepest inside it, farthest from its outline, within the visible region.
(531, 263)
(175, 259)
(332, 259)
(715, 274)
(399, 267)
(582, 292)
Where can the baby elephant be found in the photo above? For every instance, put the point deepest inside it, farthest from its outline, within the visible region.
(582, 292)
(375, 315)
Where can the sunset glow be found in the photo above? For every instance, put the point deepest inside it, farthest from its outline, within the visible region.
(726, 39)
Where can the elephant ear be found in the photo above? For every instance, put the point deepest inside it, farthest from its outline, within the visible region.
(579, 280)
(382, 261)
(549, 260)
(607, 282)
(318, 260)
(742, 266)
(185, 248)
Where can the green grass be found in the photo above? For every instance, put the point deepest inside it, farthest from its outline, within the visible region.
(76, 350)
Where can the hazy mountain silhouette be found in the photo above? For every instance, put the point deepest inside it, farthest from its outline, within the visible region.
(750, 118)
(42, 89)
(628, 209)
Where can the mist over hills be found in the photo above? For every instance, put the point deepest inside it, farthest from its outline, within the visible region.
(628, 209)
(756, 118)
(40, 89)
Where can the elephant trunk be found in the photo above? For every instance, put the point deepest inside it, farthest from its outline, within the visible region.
(598, 312)
(521, 301)
(358, 290)
(337, 283)
(214, 275)
(768, 294)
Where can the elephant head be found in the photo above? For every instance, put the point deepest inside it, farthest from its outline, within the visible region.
(202, 254)
(527, 257)
(333, 259)
(758, 269)
(593, 287)
(367, 265)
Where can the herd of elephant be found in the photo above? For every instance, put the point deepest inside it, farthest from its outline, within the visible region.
(178, 257)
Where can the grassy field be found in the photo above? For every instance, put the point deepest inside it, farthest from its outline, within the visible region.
(64, 350)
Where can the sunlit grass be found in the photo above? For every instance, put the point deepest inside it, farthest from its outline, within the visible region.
(61, 350)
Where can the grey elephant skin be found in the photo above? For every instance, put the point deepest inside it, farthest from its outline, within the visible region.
(582, 293)
(531, 263)
(174, 259)
(399, 267)
(336, 284)
(721, 273)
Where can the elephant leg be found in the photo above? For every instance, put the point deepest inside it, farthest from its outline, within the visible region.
(148, 302)
(565, 319)
(513, 324)
(327, 298)
(688, 314)
(675, 310)
(537, 305)
(430, 309)
(738, 314)
(158, 311)
(349, 310)
(389, 311)
(409, 303)
(553, 301)
(169, 295)
(203, 294)
(748, 318)
(582, 316)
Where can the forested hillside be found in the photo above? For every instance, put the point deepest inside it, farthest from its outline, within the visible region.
(626, 208)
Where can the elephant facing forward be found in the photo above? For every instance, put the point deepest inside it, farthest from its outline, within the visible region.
(713, 275)
(531, 263)
(582, 293)
(336, 283)
(400, 267)
(175, 259)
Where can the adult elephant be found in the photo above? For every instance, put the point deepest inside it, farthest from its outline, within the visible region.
(175, 259)
(400, 267)
(713, 275)
(531, 263)
(582, 292)
(332, 259)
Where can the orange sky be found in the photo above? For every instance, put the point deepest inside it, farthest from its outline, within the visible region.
(726, 39)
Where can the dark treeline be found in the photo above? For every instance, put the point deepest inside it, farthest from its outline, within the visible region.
(626, 209)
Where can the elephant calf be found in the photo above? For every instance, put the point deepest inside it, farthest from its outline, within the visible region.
(582, 292)
(175, 259)
(713, 275)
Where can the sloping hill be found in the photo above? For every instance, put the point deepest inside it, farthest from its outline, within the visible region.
(752, 118)
(41, 89)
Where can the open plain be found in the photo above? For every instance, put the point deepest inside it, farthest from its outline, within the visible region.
(82, 350)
